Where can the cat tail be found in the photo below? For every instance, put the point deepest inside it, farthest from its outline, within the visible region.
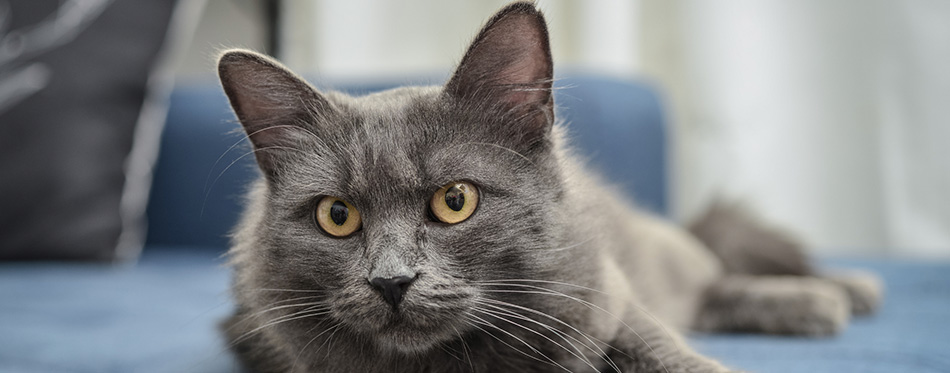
(747, 244)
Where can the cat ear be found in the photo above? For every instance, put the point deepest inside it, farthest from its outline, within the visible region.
(509, 65)
(273, 104)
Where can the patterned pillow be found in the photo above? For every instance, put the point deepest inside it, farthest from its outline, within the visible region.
(78, 128)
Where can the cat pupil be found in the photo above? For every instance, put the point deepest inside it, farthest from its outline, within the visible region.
(339, 212)
(455, 198)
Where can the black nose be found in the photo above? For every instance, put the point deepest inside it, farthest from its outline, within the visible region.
(392, 288)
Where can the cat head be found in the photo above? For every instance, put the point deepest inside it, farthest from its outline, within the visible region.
(398, 210)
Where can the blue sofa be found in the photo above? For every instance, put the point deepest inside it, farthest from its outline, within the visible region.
(160, 314)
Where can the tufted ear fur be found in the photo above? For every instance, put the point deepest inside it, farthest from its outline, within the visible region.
(276, 107)
(509, 65)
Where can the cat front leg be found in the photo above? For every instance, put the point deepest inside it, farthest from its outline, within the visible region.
(864, 289)
(643, 344)
(775, 304)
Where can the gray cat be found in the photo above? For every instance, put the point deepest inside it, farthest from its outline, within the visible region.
(450, 229)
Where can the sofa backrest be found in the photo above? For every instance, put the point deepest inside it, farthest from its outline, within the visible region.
(205, 165)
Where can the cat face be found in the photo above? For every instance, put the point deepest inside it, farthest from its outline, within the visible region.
(397, 211)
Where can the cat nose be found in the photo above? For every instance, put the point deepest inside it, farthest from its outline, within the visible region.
(392, 288)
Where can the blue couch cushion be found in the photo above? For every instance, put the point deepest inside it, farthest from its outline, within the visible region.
(911, 333)
(158, 316)
(73, 81)
(162, 315)
(201, 174)
(205, 163)
(619, 127)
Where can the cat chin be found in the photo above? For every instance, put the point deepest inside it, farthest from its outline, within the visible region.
(414, 329)
(407, 336)
(410, 342)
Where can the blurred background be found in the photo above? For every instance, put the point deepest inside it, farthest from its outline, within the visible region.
(831, 118)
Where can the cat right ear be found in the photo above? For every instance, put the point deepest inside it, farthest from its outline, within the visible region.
(509, 66)
(275, 106)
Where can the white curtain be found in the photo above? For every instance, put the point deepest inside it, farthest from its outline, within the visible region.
(383, 38)
(831, 117)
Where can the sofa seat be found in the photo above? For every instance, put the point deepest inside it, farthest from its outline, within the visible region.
(910, 333)
(161, 315)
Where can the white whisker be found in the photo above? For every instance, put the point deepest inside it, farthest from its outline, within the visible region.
(474, 325)
(307, 345)
(291, 317)
(465, 349)
(569, 247)
(291, 290)
(546, 291)
(513, 282)
(235, 161)
(311, 305)
(510, 150)
(586, 336)
(533, 349)
(330, 338)
(446, 349)
(578, 354)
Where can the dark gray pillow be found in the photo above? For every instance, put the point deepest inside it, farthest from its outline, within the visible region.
(73, 80)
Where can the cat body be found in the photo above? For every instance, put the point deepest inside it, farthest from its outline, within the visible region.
(451, 229)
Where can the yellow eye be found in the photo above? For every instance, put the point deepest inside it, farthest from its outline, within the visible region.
(454, 202)
(337, 217)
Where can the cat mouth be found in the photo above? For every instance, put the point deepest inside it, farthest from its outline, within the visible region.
(410, 339)
(404, 334)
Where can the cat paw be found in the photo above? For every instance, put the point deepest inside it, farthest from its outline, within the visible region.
(790, 305)
(820, 309)
(864, 289)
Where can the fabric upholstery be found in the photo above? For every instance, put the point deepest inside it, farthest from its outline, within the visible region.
(205, 162)
(71, 89)
(161, 316)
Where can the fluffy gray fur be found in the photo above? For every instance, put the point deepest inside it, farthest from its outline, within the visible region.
(552, 272)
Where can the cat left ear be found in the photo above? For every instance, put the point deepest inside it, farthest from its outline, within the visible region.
(273, 104)
(509, 64)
